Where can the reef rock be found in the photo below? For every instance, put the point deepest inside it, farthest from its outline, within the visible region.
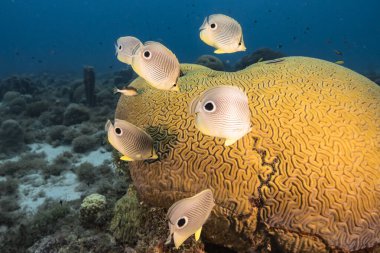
(262, 54)
(211, 62)
(306, 178)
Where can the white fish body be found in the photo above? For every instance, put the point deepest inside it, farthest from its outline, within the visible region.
(132, 142)
(187, 216)
(222, 112)
(223, 33)
(157, 65)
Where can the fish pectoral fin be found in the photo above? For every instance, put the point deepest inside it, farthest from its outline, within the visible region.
(179, 239)
(229, 142)
(154, 156)
(126, 158)
(198, 234)
(219, 51)
(169, 239)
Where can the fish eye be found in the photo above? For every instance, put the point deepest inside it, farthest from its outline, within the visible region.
(120, 47)
(209, 106)
(213, 26)
(182, 222)
(147, 55)
(118, 131)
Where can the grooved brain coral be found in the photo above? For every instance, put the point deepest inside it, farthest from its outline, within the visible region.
(310, 167)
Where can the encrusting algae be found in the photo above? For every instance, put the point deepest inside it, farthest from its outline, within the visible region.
(307, 171)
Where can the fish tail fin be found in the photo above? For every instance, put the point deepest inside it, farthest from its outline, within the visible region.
(115, 90)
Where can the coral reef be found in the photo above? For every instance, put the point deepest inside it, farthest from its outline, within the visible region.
(309, 166)
(86, 173)
(75, 114)
(211, 62)
(145, 228)
(35, 109)
(84, 143)
(91, 208)
(26, 163)
(50, 217)
(263, 54)
(22, 85)
(11, 137)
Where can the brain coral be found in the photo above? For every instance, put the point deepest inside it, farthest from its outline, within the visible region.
(308, 172)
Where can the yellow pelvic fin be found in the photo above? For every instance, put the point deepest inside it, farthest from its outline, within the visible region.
(126, 158)
(198, 234)
(219, 51)
(229, 142)
(154, 156)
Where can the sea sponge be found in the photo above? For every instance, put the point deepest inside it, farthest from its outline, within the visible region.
(211, 62)
(75, 114)
(310, 165)
(91, 207)
(11, 137)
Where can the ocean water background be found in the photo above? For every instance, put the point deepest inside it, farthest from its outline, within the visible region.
(60, 36)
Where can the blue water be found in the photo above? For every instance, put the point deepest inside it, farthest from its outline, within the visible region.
(63, 35)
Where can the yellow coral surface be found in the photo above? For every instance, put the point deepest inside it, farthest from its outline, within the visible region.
(310, 165)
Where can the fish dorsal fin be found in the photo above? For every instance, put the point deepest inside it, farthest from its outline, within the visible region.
(198, 234)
